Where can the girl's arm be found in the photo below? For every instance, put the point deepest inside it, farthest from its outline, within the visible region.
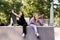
(20, 15)
(42, 18)
(15, 13)
(30, 21)
(40, 22)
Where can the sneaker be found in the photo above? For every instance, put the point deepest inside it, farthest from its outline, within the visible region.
(37, 34)
(23, 35)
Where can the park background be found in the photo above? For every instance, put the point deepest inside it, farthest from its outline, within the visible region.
(28, 7)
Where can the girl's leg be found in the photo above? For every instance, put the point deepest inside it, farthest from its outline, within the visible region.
(14, 19)
(34, 27)
(24, 30)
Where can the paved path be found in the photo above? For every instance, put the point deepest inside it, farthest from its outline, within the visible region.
(14, 33)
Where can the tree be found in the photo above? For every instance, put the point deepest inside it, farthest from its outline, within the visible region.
(29, 7)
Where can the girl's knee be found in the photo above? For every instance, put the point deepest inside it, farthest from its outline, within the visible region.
(33, 25)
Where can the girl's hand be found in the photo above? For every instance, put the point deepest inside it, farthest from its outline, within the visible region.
(15, 13)
(20, 15)
(42, 14)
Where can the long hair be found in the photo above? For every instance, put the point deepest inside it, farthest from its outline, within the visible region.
(22, 15)
(34, 16)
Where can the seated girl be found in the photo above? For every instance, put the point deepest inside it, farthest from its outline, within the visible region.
(34, 21)
(21, 22)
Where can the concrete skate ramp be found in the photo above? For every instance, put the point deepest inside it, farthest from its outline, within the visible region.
(14, 33)
(46, 33)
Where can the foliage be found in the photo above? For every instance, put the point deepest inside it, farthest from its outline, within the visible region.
(29, 7)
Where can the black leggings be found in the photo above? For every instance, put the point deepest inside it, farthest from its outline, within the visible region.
(24, 27)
